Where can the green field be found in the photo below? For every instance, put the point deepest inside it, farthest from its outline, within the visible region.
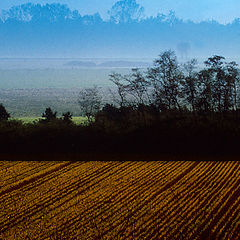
(26, 120)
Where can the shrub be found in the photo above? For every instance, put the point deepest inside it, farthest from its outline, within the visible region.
(4, 115)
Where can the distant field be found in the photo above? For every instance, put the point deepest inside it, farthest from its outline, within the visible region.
(120, 200)
(28, 92)
(33, 102)
(76, 120)
(56, 78)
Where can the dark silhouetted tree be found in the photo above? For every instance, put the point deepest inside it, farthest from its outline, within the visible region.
(165, 78)
(4, 115)
(67, 117)
(190, 83)
(232, 75)
(205, 102)
(49, 115)
(215, 66)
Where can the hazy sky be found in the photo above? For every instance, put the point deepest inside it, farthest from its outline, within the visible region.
(221, 10)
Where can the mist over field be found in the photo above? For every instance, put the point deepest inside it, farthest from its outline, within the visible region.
(74, 45)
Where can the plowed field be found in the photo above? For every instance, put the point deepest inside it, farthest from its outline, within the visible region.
(119, 200)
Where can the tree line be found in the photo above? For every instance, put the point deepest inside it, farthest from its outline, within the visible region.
(49, 27)
(123, 11)
(168, 108)
(166, 87)
(170, 86)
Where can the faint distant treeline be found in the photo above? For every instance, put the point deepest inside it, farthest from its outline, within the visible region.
(55, 30)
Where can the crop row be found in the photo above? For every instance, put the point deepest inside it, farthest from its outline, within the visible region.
(120, 200)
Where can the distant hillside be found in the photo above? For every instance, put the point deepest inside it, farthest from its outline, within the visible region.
(123, 64)
(80, 64)
(109, 64)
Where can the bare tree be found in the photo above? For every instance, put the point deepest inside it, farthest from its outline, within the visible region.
(90, 102)
(121, 84)
(138, 86)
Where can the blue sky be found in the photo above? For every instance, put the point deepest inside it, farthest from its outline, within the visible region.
(220, 10)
